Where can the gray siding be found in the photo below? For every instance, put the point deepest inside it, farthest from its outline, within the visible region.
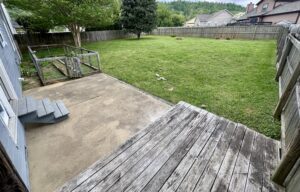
(11, 60)
(16, 152)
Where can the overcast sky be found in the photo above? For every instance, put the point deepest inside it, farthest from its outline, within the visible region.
(240, 2)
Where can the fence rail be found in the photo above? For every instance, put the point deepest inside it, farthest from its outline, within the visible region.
(232, 32)
(58, 62)
(25, 40)
(288, 109)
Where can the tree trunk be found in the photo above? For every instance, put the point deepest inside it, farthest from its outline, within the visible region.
(139, 35)
(75, 30)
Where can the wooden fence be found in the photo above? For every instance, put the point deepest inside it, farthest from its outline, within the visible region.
(25, 40)
(288, 110)
(232, 32)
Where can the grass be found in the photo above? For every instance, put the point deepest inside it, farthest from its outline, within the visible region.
(232, 78)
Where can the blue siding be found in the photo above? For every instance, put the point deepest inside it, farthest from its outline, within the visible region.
(10, 59)
(15, 151)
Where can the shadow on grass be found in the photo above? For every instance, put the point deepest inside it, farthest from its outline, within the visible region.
(144, 38)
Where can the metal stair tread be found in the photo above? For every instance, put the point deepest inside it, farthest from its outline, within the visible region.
(26, 105)
(62, 107)
(44, 108)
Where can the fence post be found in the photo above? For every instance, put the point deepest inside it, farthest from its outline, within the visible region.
(254, 35)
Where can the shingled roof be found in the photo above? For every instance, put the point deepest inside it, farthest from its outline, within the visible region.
(207, 17)
(248, 15)
(282, 9)
(203, 17)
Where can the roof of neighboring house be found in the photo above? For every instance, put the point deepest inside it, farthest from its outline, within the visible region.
(203, 17)
(219, 12)
(247, 15)
(259, 2)
(286, 8)
(191, 20)
(238, 15)
(207, 17)
(282, 9)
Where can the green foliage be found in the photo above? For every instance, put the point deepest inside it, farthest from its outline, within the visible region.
(168, 18)
(116, 26)
(191, 9)
(178, 20)
(139, 16)
(30, 22)
(74, 14)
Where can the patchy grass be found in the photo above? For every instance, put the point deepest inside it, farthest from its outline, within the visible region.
(232, 78)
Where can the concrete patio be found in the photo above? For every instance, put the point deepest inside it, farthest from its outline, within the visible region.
(104, 113)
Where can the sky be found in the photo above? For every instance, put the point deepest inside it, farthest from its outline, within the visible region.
(240, 2)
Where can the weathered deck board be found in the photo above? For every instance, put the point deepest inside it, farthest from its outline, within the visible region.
(188, 149)
(240, 173)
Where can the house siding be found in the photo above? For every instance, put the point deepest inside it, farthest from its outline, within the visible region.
(218, 19)
(15, 150)
(10, 58)
(271, 4)
(292, 17)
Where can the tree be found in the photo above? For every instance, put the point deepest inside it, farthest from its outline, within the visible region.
(73, 14)
(164, 16)
(168, 18)
(178, 20)
(138, 16)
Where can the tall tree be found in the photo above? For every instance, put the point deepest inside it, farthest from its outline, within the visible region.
(138, 16)
(168, 18)
(73, 14)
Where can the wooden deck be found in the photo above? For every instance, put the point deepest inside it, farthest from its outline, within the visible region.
(188, 149)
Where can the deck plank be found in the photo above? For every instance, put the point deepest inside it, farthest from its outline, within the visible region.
(271, 153)
(149, 150)
(178, 174)
(188, 149)
(168, 168)
(240, 173)
(223, 178)
(190, 180)
(167, 161)
(168, 145)
(210, 173)
(256, 168)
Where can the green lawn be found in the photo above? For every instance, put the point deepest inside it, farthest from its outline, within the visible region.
(232, 78)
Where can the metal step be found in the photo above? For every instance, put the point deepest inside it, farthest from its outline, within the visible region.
(41, 111)
(44, 107)
(60, 111)
(26, 105)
